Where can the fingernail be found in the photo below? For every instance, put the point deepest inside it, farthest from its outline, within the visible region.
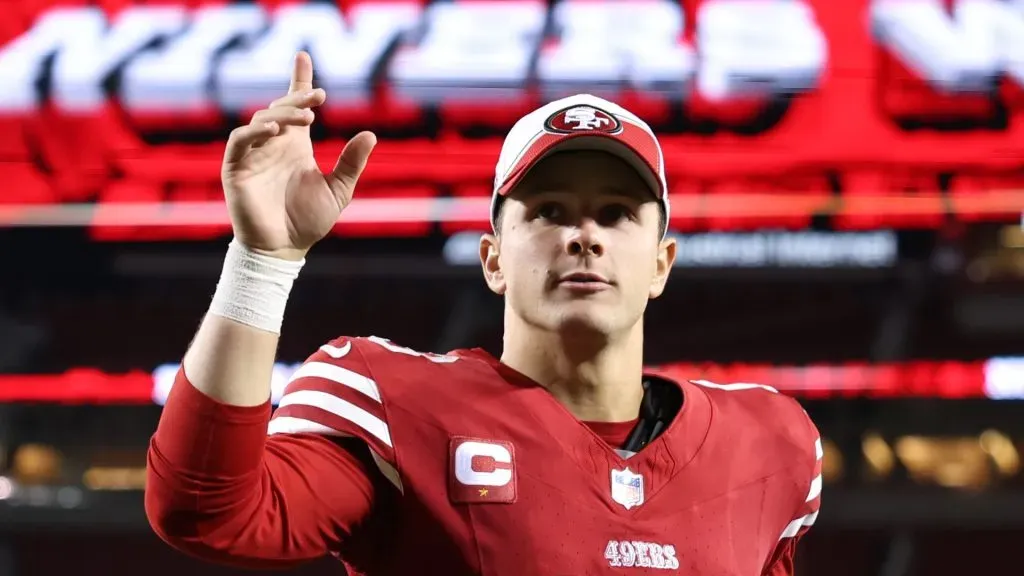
(310, 93)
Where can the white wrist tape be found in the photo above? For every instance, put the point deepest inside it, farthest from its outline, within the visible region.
(253, 288)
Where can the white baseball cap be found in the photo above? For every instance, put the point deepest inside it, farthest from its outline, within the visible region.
(580, 122)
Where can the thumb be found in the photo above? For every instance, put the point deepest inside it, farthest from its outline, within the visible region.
(351, 162)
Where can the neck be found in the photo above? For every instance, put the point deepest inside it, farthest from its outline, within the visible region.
(596, 377)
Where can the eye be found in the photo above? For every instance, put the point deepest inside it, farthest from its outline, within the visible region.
(550, 211)
(612, 214)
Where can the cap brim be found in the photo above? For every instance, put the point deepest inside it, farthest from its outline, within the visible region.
(601, 143)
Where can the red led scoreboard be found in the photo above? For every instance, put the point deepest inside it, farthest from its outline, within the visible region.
(889, 113)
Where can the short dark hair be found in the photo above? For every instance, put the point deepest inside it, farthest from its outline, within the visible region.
(499, 212)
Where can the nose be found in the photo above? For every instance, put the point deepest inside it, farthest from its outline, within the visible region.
(584, 241)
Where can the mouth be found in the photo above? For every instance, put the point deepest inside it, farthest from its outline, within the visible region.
(584, 277)
(584, 282)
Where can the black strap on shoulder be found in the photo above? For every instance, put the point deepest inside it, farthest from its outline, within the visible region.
(662, 401)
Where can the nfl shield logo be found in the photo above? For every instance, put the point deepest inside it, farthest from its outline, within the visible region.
(627, 488)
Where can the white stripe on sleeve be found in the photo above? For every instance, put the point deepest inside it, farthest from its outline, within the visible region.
(802, 522)
(340, 375)
(341, 409)
(807, 520)
(292, 425)
(815, 490)
(735, 387)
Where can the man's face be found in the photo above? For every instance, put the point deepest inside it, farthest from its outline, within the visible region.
(579, 245)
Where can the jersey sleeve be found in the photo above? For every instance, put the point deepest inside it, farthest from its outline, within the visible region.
(219, 489)
(334, 395)
(782, 561)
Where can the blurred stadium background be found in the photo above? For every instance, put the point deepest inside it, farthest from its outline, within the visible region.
(848, 187)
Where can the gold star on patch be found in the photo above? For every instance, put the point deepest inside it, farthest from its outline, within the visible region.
(483, 491)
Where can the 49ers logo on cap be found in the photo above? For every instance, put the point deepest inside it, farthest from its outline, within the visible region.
(582, 119)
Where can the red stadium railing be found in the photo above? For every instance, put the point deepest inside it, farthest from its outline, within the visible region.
(996, 378)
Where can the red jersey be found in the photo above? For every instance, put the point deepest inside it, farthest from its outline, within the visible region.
(475, 469)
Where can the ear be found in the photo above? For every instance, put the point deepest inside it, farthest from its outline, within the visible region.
(491, 263)
(663, 266)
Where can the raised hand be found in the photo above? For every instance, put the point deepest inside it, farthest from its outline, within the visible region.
(279, 201)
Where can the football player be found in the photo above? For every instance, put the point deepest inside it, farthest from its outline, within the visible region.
(560, 457)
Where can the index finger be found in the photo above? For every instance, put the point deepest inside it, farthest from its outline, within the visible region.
(302, 74)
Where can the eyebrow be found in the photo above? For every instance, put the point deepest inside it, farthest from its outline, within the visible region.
(643, 194)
